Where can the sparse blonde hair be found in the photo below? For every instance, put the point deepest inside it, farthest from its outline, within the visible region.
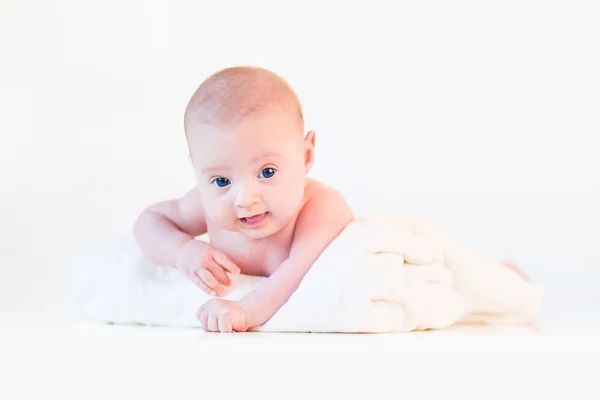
(231, 94)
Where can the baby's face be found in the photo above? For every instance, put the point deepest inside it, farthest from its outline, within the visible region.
(252, 176)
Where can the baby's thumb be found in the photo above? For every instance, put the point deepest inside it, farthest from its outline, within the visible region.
(240, 325)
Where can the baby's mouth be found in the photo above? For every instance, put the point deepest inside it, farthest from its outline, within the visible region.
(254, 220)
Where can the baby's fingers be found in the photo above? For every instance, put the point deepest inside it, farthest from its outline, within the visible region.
(225, 324)
(203, 317)
(196, 279)
(212, 323)
(218, 272)
(209, 279)
(225, 262)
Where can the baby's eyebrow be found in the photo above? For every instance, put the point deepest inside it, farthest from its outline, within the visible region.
(268, 154)
(212, 169)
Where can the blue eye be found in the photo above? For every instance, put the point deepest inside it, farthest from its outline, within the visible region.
(221, 182)
(267, 173)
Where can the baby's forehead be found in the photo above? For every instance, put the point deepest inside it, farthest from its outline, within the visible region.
(244, 145)
(272, 124)
(249, 156)
(269, 118)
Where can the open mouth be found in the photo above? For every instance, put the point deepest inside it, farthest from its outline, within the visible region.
(254, 220)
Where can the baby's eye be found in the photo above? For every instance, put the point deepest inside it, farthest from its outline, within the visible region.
(221, 182)
(267, 173)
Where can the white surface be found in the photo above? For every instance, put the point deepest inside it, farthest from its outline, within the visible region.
(153, 363)
(492, 106)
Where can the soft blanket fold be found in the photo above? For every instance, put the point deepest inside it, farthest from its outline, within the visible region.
(383, 273)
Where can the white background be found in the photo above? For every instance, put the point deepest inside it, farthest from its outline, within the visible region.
(481, 116)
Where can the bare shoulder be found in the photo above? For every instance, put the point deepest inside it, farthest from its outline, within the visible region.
(317, 189)
(325, 214)
(321, 198)
(191, 201)
(186, 212)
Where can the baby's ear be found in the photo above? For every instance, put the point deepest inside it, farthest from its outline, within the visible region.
(309, 150)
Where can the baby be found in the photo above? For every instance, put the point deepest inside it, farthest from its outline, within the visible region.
(264, 216)
(245, 133)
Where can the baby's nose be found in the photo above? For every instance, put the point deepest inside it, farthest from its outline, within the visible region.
(246, 196)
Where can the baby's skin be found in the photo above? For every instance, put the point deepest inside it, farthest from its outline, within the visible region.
(262, 213)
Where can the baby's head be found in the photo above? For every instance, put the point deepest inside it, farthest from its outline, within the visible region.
(245, 133)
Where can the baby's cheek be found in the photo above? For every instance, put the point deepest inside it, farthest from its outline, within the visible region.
(215, 210)
(289, 203)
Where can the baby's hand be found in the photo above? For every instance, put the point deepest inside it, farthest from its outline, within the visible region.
(206, 266)
(219, 315)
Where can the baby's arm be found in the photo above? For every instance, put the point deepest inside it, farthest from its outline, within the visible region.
(165, 234)
(323, 218)
(163, 228)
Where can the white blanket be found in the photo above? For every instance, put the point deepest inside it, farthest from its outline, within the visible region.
(383, 273)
